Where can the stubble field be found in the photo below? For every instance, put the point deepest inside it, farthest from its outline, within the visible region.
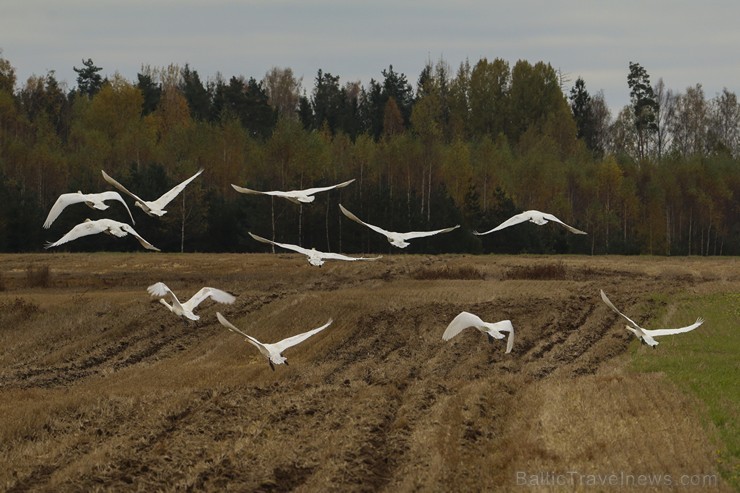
(102, 388)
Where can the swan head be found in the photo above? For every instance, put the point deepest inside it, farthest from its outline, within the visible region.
(539, 220)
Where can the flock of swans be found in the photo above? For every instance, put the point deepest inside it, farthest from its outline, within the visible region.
(273, 352)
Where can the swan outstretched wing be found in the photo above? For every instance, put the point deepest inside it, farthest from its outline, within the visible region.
(668, 332)
(339, 256)
(422, 234)
(136, 235)
(213, 293)
(120, 187)
(249, 338)
(165, 199)
(311, 191)
(519, 218)
(297, 339)
(552, 218)
(83, 229)
(287, 246)
(610, 305)
(360, 221)
(61, 203)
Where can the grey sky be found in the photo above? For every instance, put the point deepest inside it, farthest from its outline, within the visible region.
(682, 42)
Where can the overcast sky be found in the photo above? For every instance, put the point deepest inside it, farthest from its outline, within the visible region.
(682, 42)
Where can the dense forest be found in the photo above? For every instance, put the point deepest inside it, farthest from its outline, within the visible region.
(470, 146)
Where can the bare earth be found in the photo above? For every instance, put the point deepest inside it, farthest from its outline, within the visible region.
(101, 388)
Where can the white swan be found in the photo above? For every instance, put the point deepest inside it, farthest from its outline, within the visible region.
(492, 330)
(648, 336)
(273, 352)
(295, 196)
(396, 239)
(108, 226)
(92, 200)
(155, 207)
(315, 257)
(160, 290)
(536, 217)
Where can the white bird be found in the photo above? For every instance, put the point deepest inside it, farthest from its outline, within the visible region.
(155, 207)
(315, 257)
(160, 290)
(295, 196)
(273, 352)
(396, 239)
(108, 226)
(492, 330)
(536, 217)
(648, 336)
(92, 200)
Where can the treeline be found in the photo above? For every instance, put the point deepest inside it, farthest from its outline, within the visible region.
(469, 147)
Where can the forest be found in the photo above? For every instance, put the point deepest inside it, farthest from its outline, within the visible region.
(470, 146)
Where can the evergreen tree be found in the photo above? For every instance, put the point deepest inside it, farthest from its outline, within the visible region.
(89, 80)
(644, 106)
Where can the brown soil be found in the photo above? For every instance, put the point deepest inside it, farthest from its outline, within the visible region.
(102, 388)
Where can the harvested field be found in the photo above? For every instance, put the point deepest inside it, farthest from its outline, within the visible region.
(102, 388)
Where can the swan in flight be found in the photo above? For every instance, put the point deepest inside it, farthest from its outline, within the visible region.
(108, 226)
(536, 217)
(92, 200)
(155, 207)
(161, 291)
(315, 257)
(273, 352)
(492, 330)
(396, 239)
(295, 196)
(645, 335)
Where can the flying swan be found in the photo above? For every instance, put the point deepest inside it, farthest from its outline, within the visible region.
(533, 216)
(396, 239)
(295, 196)
(155, 207)
(273, 352)
(108, 226)
(315, 257)
(644, 335)
(92, 200)
(161, 291)
(492, 330)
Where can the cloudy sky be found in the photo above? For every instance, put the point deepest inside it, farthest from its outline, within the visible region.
(682, 42)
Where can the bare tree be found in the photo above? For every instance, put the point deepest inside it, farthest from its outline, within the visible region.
(690, 125)
(724, 122)
(664, 117)
(283, 90)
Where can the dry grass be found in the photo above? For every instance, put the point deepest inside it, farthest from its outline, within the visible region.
(101, 387)
(38, 277)
(545, 271)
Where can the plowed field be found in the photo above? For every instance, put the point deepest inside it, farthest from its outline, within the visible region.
(102, 388)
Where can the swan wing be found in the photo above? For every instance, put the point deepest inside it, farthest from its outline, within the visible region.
(120, 187)
(216, 295)
(287, 246)
(360, 221)
(249, 338)
(165, 199)
(513, 220)
(297, 339)
(423, 234)
(113, 195)
(610, 305)
(311, 191)
(339, 256)
(552, 218)
(62, 202)
(668, 332)
(83, 229)
(125, 227)
(461, 322)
